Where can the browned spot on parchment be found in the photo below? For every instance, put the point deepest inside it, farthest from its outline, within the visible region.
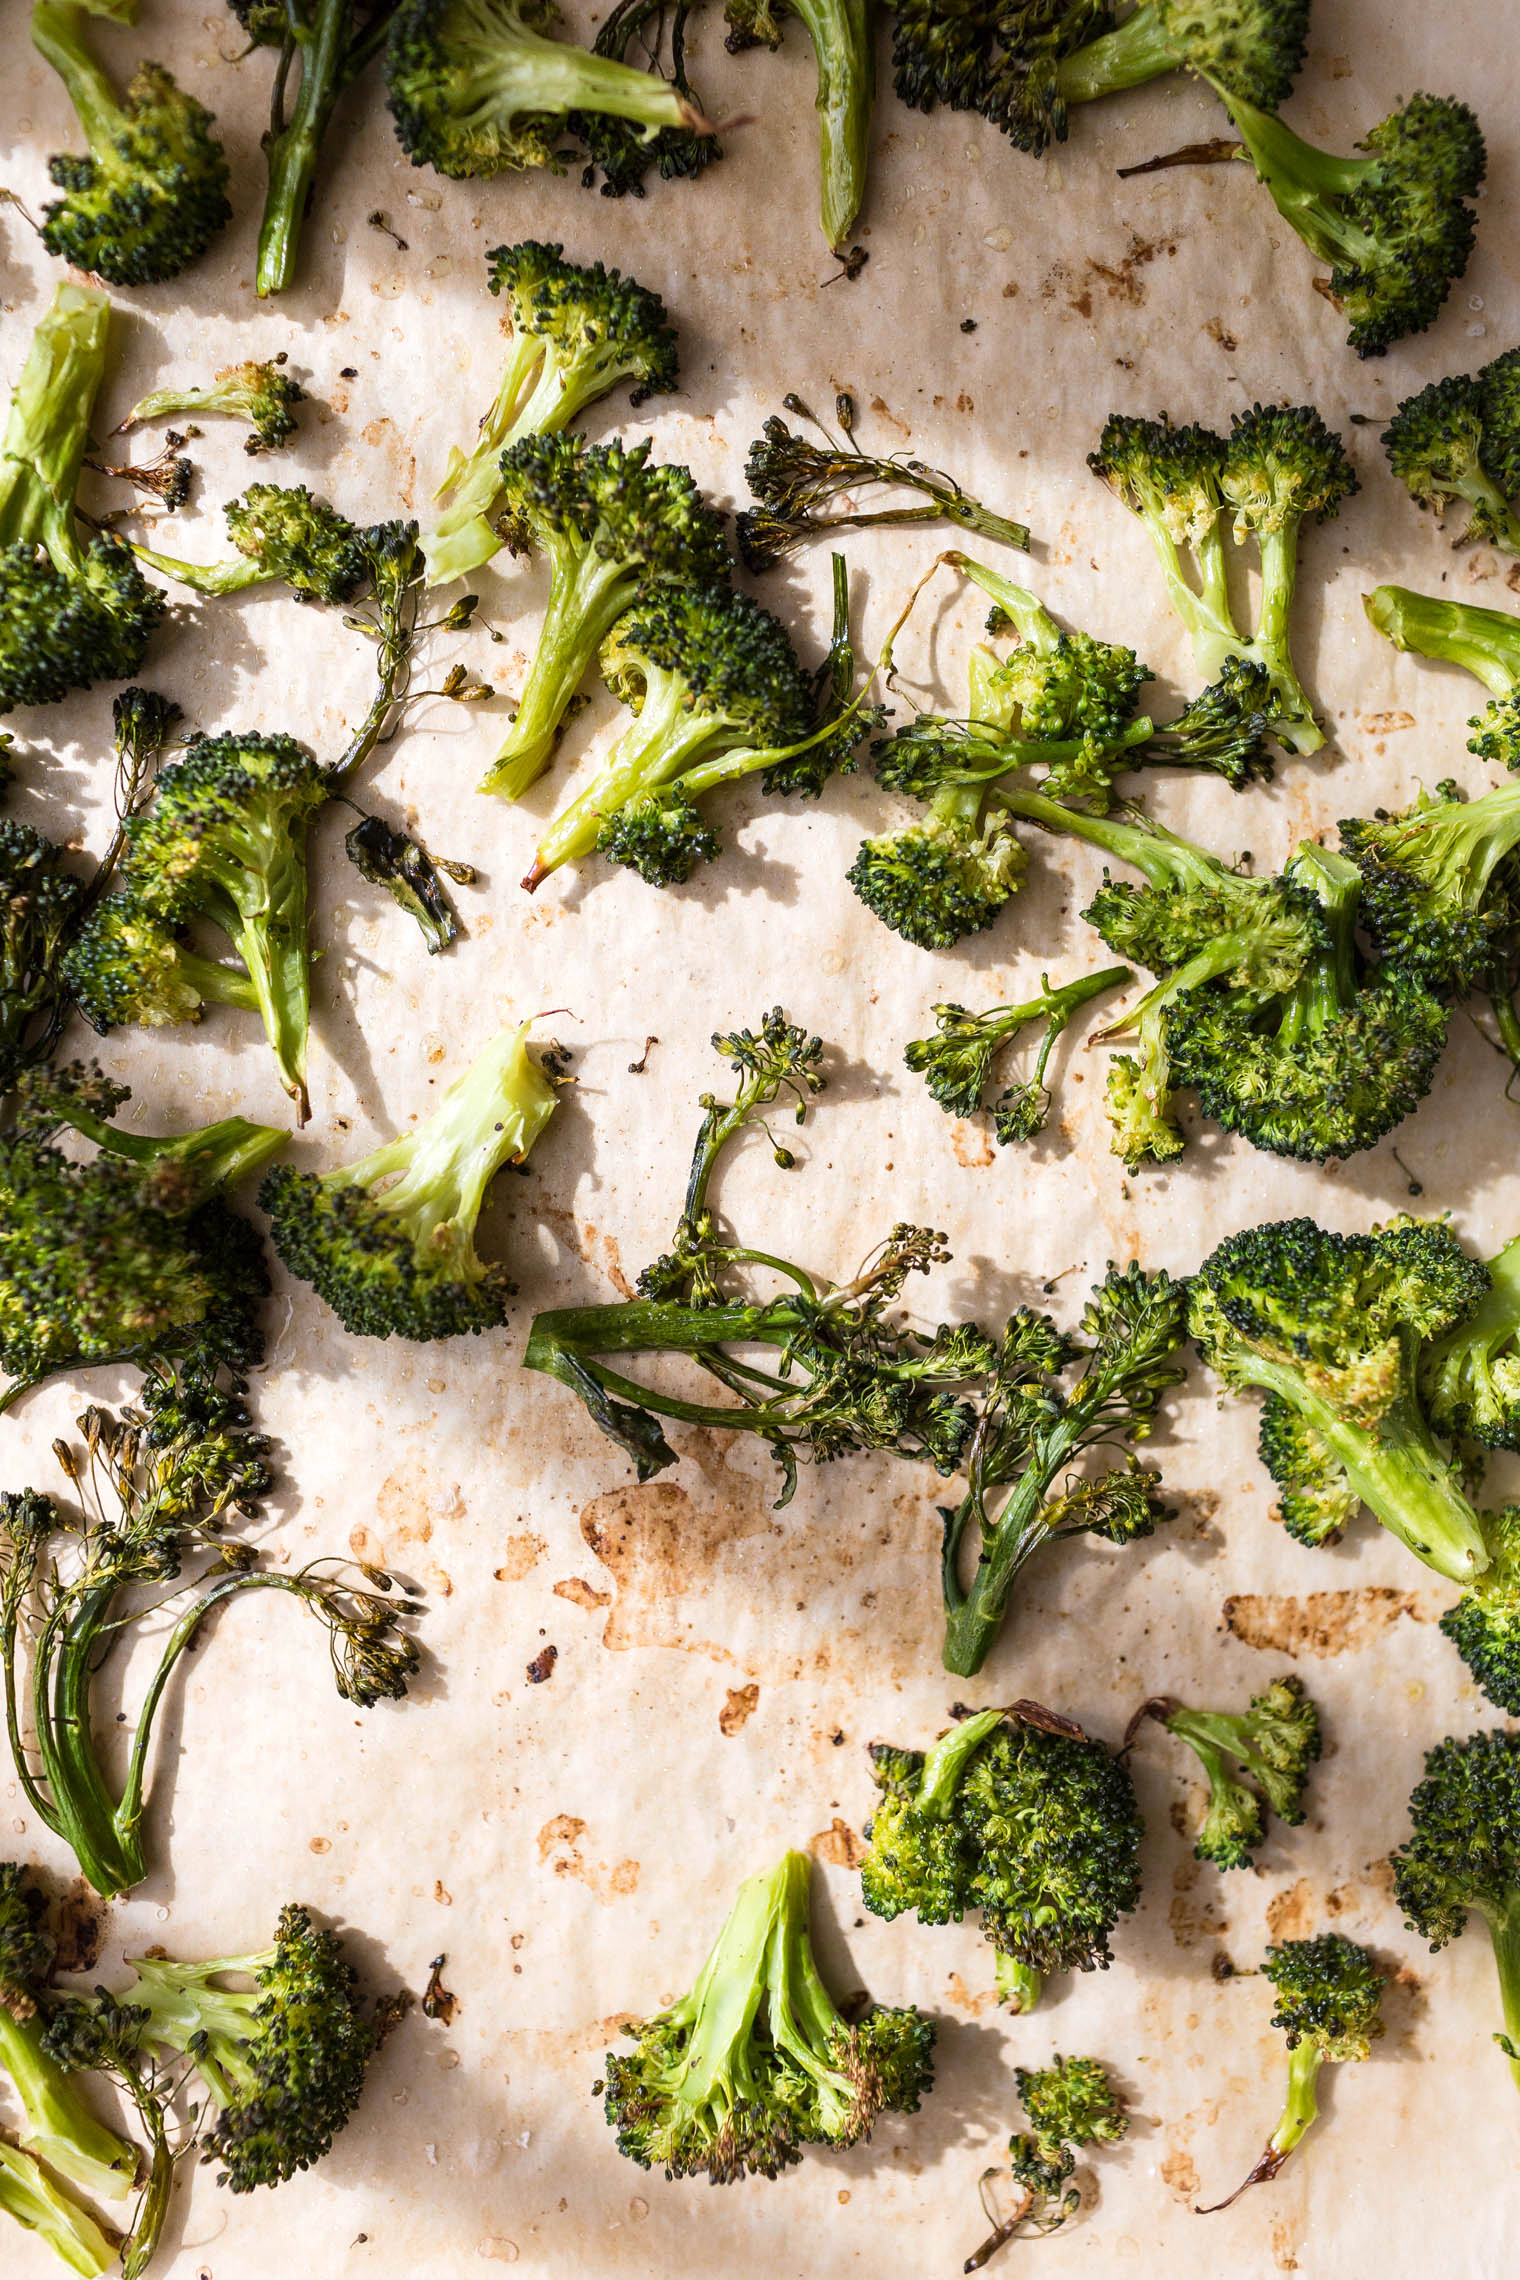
(384, 435)
(1218, 331)
(81, 1928)
(738, 1708)
(838, 1845)
(1290, 1916)
(1194, 1916)
(1123, 281)
(366, 1546)
(1282, 2252)
(519, 1554)
(541, 1668)
(1325, 1623)
(412, 1501)
(958, 1993)
(580, 1593)
(970, 1145)
(1384, 723)
(561, 1849)
(1180, 2174)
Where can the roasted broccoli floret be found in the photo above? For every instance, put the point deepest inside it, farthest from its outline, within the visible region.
(70, 615)
(1069, 2103)
(843, 33)
(1329, 2006)
(758, 2061)
(411, 876)
(477, 86)
(1440, 891)
(264, 396)
(610, 522)
(1485, 643)
(151, 193)
(577, 333)
(399, 1258)
(38, 2205)
(1484, 1625)
(1018, 1814)
(1459, 438)
(42, 903)
(157, 1483)
(1463, 1855)
(1470, 1379)
(622, 152)
(795, 482)
(956, 1062)
(1272, 1745)
(222, 841)
(1277, 470)
(283, 535)
(56, 2125)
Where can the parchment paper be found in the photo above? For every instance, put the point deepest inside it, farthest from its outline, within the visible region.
(572, 1845)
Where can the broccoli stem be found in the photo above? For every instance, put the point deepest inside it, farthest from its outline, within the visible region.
(1295, 724)
(29, 2195)
(974, 1614)
(1504, 1931)
(843, 36)
(1136, 52)
(48, 430)
(1163, 858)
(1485, 643)
(462, 538)
(652, 751)
(495, 77)
(586, 599)
(1018, 1984)
(210, 578)
(263, 913)
(1300, 2108)
(212, 2025)
(720, 2010)
(58, 35)
(220, 1155)
(1305, 184)
(56, 2123)
(293, 152)
(802, 2015)
(940, 1778)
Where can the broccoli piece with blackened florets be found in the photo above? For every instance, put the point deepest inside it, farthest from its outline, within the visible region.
(1329, 2007)
(263, 396)
(1256, 1760)
(389, 1242)
(1459, 438)
(151, 192)
(1485, 643)
(411, 875)
(843, 33)
(758, 2061)
(56, 2125)
(42, 903)
(1440, 893)
(70, 614)
(611, 522)
(1463, 1855)
(283, 535)
(1484, 1625)
(1278, 469)
(1070, 2103)
(622, 152)
(956, 1062)
(477, 86)
(1021, 1815)
(577, 332)
(223, 841)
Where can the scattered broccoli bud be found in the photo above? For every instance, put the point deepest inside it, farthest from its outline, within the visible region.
(56, 2125)
(264, 396)
(1485, 643)
(1018, 1814)
(1276, 470)
(1329, 2006)
(1273, 1744)
(476, 87)
(757, 2061)
(843, 33)
(1463, 1854)
(41, 2206)
(69, 615)
(166, 478)
(622, 152)
(956, 1062)
(282, 535)
(152, 192)
(577, 333)
(610, 522)
(400, 1259)
(795, 482)
(410, 876)
(1070, 2103)
(1459, 438)
(1224, 728)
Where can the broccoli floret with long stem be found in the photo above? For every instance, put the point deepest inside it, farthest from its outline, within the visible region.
(223, 841)
(577, 332)
(283, 535)
(1329, 2007)
(1470, 1379)
(610, 522)
(1440, 892)
(56, 2124)
(263, 396)
(1018, 1814)
(1462, 1856)
(956, 1062)
(843, 33)
(399, 1258)
(1070, 2103)
(621, 152)
(1277, 470)
(152, 192)
(477, 87)
(795, 483)
(1459, 438)
(758, 2061)
(1485, 643)
(1332, 1327)
(1256, 1760)
(70, 615)
(39, 2205)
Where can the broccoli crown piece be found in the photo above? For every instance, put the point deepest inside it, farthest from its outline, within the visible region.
(151, 193)
(65, 629)
(287, 534)
(660, 835)
(1071, 686)
(130, 965)
(264, 395)
(1441, 883)
(1272, 1744)
(1224, 728)
(1282, 466)
(1484, 1625)
(1058, 1846)
(795, 480)
(956, 1063)
(1329, 1994)
(1166, 926)
(1463, 1851)
(623, 152)
(1470, 1379)
(1168, 475)
(608, 501)
(1002, 63)
(399, 1258)
(918, 1859)
(1318, 1499)
(732, 660)
(757, 2061)
(40, 907)
(1069, 2103)
(476, 87)
(937, 881)
(596, 325)
(26, 1945)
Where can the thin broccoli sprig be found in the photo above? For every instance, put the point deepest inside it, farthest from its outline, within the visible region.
(1329, 2007)
(1020, 1815)
(152, 192)
(577, 332)
(1485, 643)
(620, 151)
(1070, 2103)
(1459, 438)
(796, 482)
(263, 396)
(1272, 1745)
(843, 33)
(389, 1242)
(56, 2123)
(757, 2061)
(283, 535)
(1462, 1856)
(956, 1062)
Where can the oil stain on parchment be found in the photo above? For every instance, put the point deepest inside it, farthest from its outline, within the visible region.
(562, 1849)
(1323, 1624)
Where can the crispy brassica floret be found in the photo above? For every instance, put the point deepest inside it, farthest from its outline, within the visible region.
(757, 2061)
(622, 152)
(1485, 643)
(1459, 438)
(1470, 1379)
(1463, 1855)
(1272, 1745)
(285, 536)
(577, 332)
(937, 881)
(1022, 1816)
(399, 1258)
(1069, 2103)
(477, 87)
(56, 2125)
(611, 522)
(151, 193)
(1484, 1625)
(843, 33)
(263, 396)
(1333, 1326)
(41, 906)
(223, 841)
(1329, 2007)
(1440, 888)
(1278, 469)
(956, 1062)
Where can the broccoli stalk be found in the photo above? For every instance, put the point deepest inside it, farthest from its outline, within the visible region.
(56, 2124)
(401, 1258)
(843, 33)
(1273, 1744)
(1459, 438)
(622, 152)
(757, 2061)
(1463, 1855)
(264, 396)
(1069, 2103)
(1255, 46)
(956, 1062)
(576, 333)
(29, 2194)
(1485, 643)
(280, 532)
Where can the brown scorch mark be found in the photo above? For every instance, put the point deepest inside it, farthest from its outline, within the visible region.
(541, 1668)
(838, 1845)
(580, 1593)
(1325, 1623)
(519, 1554)
(1291, 1915)
(560, 1848)
(738, 1708)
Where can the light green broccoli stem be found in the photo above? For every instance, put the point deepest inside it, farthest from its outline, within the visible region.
(48, 430)
(843, 33)
(489, 1117)
(58, 37)
(1295, 723)
(801, 2014)
(212, 578)
(1137, 52)
(1026, 613)
(56, 2124)
(587, 595)
(714, 2071)
(264, 916)
(1203, 610)
(1162, 858)
(1301, 2107)
(1504, 1931)
(1018, 1984)
(293, 154)
(1305, 184)
(496, 74)
(28, 2194)
(946, 1762)
(462, 538)
(653, 750)
(1485, 643)
(219, 1154)
(211, 2025)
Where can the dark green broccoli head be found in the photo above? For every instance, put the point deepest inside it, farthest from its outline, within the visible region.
(263, 394)
(597, 326)
(1318, 1501)
(1440, 889)
(732, 660)
(1164, 927)
(1056, 1833)
(1252, 48)
(1282, 466)
(1463, 1851)
(40, 906)
(236, 806)
(915, 1861)
(1470, 1379)
(1440, 447)
(299, 540)
(1073, 686)
(661, 835)
(1329, 1994)
(1000, 62)
(937, 881)
(637, 31)
(130, 966)
(1224, 728)
(1484, 1625)
(1069, 2103)
(609, 501)
(64, 627)
(26, 1945)
(1169, 475)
